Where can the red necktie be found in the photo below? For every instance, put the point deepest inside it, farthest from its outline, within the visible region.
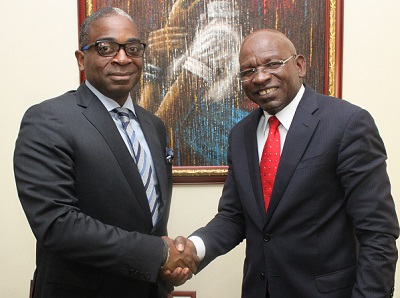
(270, 159)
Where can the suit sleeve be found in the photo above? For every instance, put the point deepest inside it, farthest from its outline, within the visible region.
(44, 161)
(362, 170)
(227, 229)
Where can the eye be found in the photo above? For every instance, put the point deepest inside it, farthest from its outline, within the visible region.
(132, 48)
(248, 72)
(273, 65)
(105, 48)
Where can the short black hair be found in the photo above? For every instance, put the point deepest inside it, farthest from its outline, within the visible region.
(99, 14)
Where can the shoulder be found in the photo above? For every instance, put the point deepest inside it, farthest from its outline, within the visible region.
(327, 106)
(57, 104)
(335, 114)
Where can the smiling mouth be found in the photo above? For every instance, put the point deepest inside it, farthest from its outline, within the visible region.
(267, 91)
(120, 74)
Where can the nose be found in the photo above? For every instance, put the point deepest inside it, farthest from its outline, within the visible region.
(262, 74)
(121, 57)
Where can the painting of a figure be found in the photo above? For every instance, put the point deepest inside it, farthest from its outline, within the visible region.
(191, 63)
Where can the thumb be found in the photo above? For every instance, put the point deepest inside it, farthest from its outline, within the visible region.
(180, 243)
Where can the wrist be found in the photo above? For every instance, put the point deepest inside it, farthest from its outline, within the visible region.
(165, 256)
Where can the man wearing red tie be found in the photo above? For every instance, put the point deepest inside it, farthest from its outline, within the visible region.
(321, 224)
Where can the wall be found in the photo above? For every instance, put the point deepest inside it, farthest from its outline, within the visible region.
(39, 63)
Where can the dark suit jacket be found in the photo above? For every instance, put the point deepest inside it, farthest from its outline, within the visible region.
(85, 201)
(331, 226)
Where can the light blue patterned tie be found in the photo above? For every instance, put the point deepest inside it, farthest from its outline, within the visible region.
(142, 162)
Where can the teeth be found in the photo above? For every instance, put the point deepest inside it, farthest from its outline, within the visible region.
(268, 91)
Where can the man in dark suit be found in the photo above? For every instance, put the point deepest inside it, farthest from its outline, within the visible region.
(329, 227)
(79, 184)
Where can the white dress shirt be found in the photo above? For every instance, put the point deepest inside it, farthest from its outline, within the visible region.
(285, 117)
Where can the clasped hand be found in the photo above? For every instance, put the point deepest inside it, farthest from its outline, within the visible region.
(182, 262)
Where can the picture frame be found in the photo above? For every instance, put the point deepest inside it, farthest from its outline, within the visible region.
(200, 143)
(182, 294)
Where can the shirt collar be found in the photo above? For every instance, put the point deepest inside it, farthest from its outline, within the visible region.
(109, 103)
(286, 116)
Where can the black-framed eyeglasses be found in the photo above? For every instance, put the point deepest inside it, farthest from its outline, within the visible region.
(270, 67)
(108, 48)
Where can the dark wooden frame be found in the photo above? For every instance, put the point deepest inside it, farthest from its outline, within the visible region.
(191, 294)
(332, 83)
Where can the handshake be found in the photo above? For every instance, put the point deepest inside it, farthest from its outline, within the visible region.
(181, 260)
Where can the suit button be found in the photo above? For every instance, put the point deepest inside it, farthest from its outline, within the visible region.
(262, 275)
(131, 272)
(267, 237)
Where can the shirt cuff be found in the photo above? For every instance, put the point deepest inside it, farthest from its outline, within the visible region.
(200, 247)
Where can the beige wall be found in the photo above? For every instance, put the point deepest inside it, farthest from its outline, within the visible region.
(39, 63)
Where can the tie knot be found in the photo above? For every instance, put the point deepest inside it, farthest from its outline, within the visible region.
(123, 114)
(273, 122)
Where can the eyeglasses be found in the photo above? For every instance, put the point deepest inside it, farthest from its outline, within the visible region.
(107, 48)
(270, 67)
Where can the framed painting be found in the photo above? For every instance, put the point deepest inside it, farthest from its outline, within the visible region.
(182, 294)
(190, 66)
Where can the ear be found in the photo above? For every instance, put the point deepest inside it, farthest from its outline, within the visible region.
(301, 65)
(80, 58)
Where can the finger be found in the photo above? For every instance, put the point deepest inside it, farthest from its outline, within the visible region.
(167, 272)
(176, 273)
(180, 279)
(186, 271)
(180, 243)
(170, 275)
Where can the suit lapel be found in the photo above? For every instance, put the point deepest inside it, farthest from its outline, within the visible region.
(100, 118)
(252, 177)
(297, 140)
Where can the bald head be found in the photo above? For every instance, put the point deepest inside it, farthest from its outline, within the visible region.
(270, 36)
(274, 69)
